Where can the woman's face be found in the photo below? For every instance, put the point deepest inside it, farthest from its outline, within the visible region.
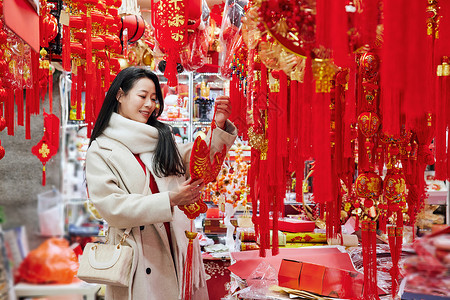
(140, 102)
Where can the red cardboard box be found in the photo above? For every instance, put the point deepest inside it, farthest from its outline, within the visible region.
(321, 280)
(294, 225)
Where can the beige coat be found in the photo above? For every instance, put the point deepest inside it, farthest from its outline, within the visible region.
(120, 192)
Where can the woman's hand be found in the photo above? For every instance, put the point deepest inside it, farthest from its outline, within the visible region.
(223, 110)
(187, 193)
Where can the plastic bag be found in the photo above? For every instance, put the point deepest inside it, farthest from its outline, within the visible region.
(52, 262)
(263, 277)
(230, 36)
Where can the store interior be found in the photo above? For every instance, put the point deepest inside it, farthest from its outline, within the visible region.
(342, 146)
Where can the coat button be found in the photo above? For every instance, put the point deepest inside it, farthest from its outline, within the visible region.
(148, 270)
(142, 227)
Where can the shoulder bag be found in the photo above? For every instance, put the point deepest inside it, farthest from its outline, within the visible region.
(106, 263)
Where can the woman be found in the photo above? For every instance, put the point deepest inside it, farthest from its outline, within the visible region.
(137, 176)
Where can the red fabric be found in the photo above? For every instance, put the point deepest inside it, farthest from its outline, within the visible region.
(154, 189)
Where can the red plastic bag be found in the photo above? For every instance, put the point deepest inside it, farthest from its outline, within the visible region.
(52, 262)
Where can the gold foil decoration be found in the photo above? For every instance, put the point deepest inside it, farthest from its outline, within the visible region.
(258, 142)
(323, 72)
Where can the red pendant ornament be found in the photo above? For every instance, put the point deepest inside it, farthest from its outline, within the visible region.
(200, 167)
(49, 144)
(368, 124)
(170, 20)
(44, 151)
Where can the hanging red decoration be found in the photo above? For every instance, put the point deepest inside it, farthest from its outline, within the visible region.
(2, 152)
(169, 18)
(44, 151)
(135, 26)
(200, 167)
(49, 144)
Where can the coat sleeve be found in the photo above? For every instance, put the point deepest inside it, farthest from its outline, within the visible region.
(220, 138)
(114, 203)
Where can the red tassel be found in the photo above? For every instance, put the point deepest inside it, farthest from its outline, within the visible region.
(67, 65)
(307, 126)
(369, 21)
(418, 52)
(350, 112)
(89, 62)
(338, 32)
(29, 101)
(171, 69)
(43, 175)
(106, 80)
(264, 207)
(395, 235)
(187, 273)
(19, 103)
(88, 105)
(322, 148)
(442, 102)
(323, 22)
(394, 66)
(9, 111)
(293, 125)
(73, 90)
(368, 235)
(79, 89)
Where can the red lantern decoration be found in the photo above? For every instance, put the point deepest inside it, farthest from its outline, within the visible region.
(394, 189)
(135, 26)
(368, 123)
(369, 185)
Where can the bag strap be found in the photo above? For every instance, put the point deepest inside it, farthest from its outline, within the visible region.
(126, 234)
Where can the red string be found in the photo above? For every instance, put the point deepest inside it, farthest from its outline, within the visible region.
(50, 89)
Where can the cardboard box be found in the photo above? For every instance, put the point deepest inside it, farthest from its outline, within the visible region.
(294, 225)
(216, 225)
(321, 280)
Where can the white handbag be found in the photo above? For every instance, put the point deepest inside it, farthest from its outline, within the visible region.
(107, 264)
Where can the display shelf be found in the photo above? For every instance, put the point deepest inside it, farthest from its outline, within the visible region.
(26, 290)
(437, 197)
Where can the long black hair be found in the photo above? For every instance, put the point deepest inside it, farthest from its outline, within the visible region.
(167, 157)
